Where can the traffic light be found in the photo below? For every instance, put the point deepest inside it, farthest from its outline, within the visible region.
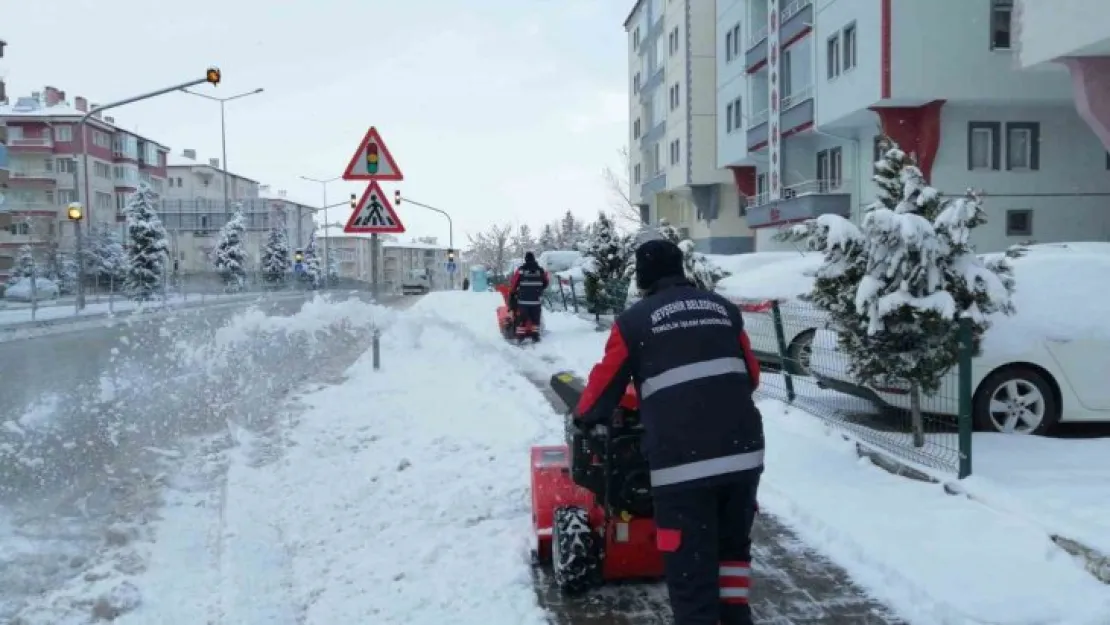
(213, 75)
(372, 158)
(298, 256)
(354, 201)
(450, 256)
(397, 197)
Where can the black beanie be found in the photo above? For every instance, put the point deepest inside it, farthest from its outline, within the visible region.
(655, 260)
(529, 259)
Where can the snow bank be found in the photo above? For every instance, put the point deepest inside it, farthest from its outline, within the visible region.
(20, 290)
(559, 260)
(769, 275)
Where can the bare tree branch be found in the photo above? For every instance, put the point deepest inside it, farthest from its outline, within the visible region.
(620, 188)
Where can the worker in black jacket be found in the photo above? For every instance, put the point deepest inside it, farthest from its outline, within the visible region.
(688, 356)
(526, 289)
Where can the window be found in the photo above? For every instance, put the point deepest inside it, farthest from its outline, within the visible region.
(849, 52)
(830, 167)
(880, 148)
(636, 39)
(1001, 13)
(101, 140)
(48, 165)
(63, 134)
(66, 196)
(66, 165)
(737, 115)
(760, 187)
(656, 161)
(673, 41)
(832, 56)
(785, 88)
(983, 149)
(636, 174)
(1019, 223)
(636, 83)
(675, 151)
(102, 170)
(49, 196)
(102, 201)
(736, 40)
(1023, 146)
(728, 117)
(728, 47)
(636, 129)
(675, 91)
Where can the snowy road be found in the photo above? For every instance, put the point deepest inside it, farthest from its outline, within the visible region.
(93, 418)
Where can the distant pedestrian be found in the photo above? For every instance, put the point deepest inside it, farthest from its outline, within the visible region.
(466, 284)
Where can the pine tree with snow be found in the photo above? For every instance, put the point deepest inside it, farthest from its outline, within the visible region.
(333, 268)
(312, 274)
(607, 252)
(24, 266)
(549, 239)
(104, 254)
(230, 257)
(276, 257)
(147, 251)
(570, 232)
(63, 271)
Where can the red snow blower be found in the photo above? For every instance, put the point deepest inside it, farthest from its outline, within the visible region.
(592, 509)
(506, 318)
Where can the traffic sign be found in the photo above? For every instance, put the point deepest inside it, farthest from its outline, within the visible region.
(451, 267)
(373, 214)
(372, 160)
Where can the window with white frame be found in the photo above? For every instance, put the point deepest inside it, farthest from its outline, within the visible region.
(848, 52)
(64, 134)
(737, 114)
(728, 118)
(636, 83)
(761, 185)
(636, 39)
(657, 160)
(101, 140)
(830, 167)
(1022, 146)
(636, 128)
(673, 41)
(675, 93)
(786, 75)
(102, 170)
(736, 40)
(676, 151)
(983, 147)
(832, 56)
(636, 174)
(728, 47)
(1002, 12)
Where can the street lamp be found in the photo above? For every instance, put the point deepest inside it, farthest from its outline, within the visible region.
(223, 132)
(327, 244)
(75, 214)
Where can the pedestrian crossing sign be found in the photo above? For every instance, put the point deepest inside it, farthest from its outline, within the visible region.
(374, 214)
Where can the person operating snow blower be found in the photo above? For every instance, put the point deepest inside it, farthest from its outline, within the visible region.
(692, 365)
(526, 289)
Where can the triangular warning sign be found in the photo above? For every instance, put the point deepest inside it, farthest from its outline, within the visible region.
(372, 160)
(373, 214)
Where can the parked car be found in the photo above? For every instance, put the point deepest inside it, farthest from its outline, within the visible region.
(20, 290)
(1047, 364)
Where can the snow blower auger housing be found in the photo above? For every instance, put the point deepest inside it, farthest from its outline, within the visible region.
(506, 317)
(591, 499)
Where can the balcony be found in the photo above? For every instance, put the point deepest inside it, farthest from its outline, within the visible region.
(796, 19)
(653, 185)
(756, 55)
(652, 83)
(797, 110)
(654, 134)
(32, 178)
(757, 129)
(31, 144)
(799, 202)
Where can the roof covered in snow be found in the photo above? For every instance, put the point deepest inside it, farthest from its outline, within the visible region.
(180, 160)
(34, 109)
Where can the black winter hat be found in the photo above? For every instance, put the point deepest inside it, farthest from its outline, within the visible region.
(655, 260)
(529, 258)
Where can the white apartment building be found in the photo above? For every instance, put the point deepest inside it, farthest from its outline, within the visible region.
(354, 257)
(193, 211)
(673, 120)
(805, 87)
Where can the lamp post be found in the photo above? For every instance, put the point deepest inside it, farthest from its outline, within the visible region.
(327, 244)
(223, 133)
(212, 76)
(397, 199)
(75, 214)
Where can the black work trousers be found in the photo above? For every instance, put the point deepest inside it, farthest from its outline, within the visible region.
(526, 313)
(705, 536)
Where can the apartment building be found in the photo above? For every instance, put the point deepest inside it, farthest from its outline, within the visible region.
(45, 154)
(805, 87)
(354, 258)
(193, 211)
(673, 120)
(4, 163)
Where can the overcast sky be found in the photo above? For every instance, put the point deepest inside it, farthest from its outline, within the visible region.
(496, 110)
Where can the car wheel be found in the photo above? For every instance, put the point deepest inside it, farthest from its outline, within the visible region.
(800, 353)
(1016, 400)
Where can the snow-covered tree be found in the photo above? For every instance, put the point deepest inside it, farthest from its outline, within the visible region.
(147, 252)
(333, 268)
(523, 241)
(276, 257)
(895, 288)
(312, 274)
(492, 248)
(703, 272)
(24, 266)
(570, 232)
(230, 256)
(104, 254)
(549, 239)
(63, 271)
(607, 252)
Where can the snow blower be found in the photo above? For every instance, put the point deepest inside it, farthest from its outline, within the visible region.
(507, 321)
(592, 510)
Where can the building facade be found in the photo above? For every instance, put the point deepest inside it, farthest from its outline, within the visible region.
(806, 87)
(45, 156)
(4, 162)
(673, 118)
(354, 259)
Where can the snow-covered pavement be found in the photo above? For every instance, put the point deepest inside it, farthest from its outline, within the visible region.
(400, 496)
(53, 311)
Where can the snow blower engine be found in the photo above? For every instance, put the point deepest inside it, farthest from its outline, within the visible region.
(592, 509)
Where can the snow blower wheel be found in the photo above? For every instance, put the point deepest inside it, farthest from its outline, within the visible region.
(575, 552)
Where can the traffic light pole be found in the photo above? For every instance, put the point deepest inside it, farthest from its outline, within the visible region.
(375, 265)
(450, 226)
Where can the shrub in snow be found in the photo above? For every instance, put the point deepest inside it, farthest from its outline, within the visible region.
(895, 288)
(24, 266)
(63, 271)
(104, 254)
(700, 270)
(147, 254)
(607, 252)
(20, 290)
(230, 257)
(311, 263)
(333, 267)
(275, 257)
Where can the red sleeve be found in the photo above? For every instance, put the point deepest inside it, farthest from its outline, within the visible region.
(546, 280)
(607, 382)
(515, 282)
(749, 358)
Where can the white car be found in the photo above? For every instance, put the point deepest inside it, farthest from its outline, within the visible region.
(21, 291)
(1048, 363)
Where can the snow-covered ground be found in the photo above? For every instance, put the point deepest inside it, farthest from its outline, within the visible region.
(400, 496)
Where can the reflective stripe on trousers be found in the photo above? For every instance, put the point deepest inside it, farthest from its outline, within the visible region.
(691, 372)
(707, 468)
(530, 283)
(735, 581)
(528, 303)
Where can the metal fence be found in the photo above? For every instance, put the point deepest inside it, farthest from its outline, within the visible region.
(572, 295)
(804, 368)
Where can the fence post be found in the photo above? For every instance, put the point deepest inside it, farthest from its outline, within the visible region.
(377, 349)
(573, 295)
(563, 294)
(965, 392)
(780, 340)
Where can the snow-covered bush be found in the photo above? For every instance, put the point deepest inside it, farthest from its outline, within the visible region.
(20, 290)
(607, 252)
(230, 257)
(275, 257)
(147, 253)
(24, 266)
(311, 273)
(104, 254)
